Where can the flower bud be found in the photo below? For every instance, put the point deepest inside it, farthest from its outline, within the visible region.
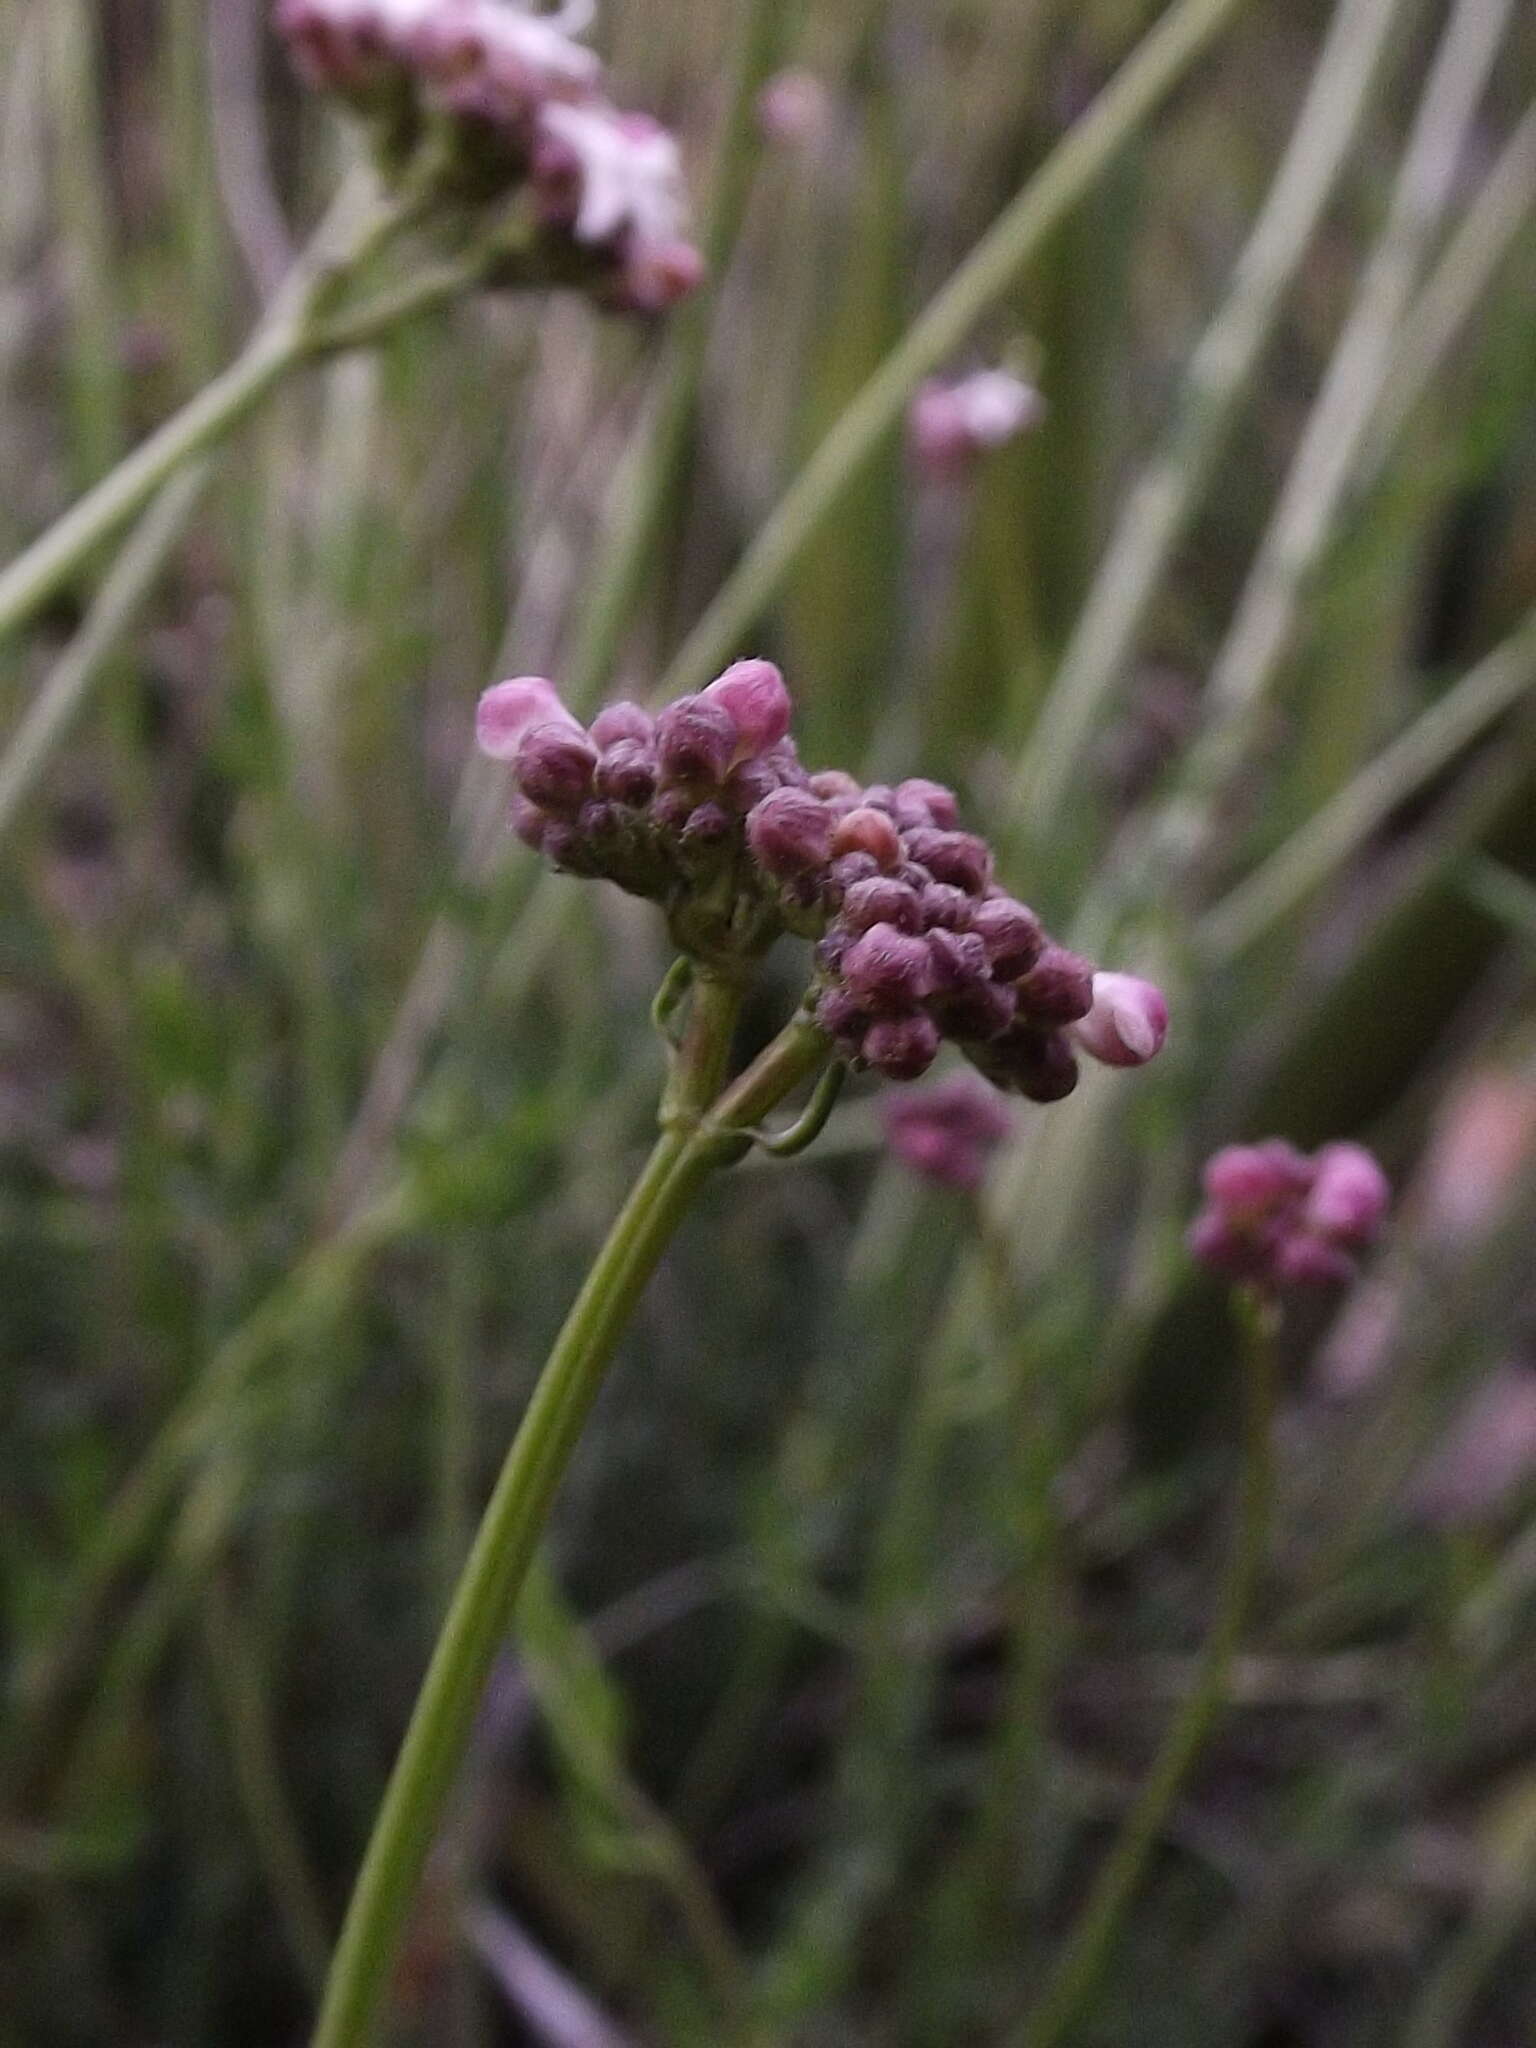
(866, 830)
(708, 828)
(887, 968)
(1042, 1066)
(847, 873)
(627, 771)
(946, 907)
(670, 811)
(748, 783)
(901, 1048)
(1127, 1023)
(979, 1012)
(509, 710)
(946, 1133)
(790, 833)
(529, 822)
(1254, 1178)
(957, 961)
(879, 796)
(938, 805)
(696, 741)
(753, 695)
(1011, 933)
(555, 764)
(1302, 1260)
(1349, 1195)
(841, 791)
(1058, 989)
(880, 900)
(842, 1016)
(1212, 1242)
(957, 857)
(622, 721)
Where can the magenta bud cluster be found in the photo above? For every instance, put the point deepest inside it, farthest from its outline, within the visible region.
(706, 808)
(514, 105)
(947, 1132)
(1276, 1218)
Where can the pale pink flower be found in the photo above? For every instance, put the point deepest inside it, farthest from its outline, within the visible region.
(509, 710)
(1128, 1022)
(949, 424)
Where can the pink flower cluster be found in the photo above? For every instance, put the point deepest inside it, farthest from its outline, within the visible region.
(950, 424)
(707, 809)
(948, 1132)
(1276, 1218)
(520, 102)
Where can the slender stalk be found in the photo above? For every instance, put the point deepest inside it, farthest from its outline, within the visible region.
(48, 717)
(1093, 1935)
(1142, 83)
(694, 1139)
(1157, 511)
(280, 342)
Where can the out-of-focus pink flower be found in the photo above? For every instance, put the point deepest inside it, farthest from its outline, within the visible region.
(1349, 1195)
(1277, 1219)
(947, 1133)
(949, 424)
(1483, 1138)
(509, 710)
(793, 107)
(1128, 1022)
(631, 177)
(484, 57)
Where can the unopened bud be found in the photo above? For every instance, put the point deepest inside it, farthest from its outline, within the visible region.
(866, 830)
(880, 900)
(754, 696)
(622, 721)
(1011, 933)
(790, 833)
(1349, 1195)
(529, 822)
(918, 794)
(509, 710)
(1058, 989)
(887, 968)
(957, 857)
(901, 1048)
(947, 908)
(696, 741)
(627, 771)
(1127, 1023)
(555, 764)
(841, 791)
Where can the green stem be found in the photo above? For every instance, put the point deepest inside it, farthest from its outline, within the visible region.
(1093, 1935)
(283, 340)
(1146, 78)
(694, 1139)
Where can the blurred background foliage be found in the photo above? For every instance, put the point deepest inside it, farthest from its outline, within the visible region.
(892, 1546)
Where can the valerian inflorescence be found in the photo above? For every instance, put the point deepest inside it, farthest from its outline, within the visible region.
(1276, 1218)
(706, 809)
(481, 100)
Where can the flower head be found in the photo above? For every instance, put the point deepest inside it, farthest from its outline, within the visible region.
(950, 424)
(1276, 1218)
(519, 103)
(947, 1132)
(707, 810)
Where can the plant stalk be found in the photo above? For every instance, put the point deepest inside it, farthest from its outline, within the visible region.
(1093, 1934)
(694, 1139)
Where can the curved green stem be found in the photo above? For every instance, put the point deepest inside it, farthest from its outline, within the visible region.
(343, 246)
(1092, 1936)
(695, 1138)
